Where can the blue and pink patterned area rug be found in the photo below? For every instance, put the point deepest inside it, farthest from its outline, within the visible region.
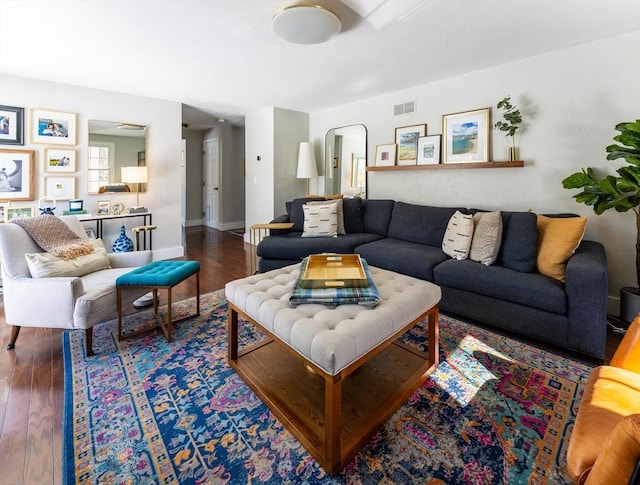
(144, 411)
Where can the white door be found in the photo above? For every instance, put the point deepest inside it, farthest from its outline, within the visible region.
(211, 175)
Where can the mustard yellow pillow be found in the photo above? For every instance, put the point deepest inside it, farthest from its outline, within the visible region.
(558, 238)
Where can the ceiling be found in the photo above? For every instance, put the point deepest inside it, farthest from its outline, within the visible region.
(221, 59)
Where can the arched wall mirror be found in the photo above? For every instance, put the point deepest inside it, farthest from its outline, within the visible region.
(112, 146)
(345, 165)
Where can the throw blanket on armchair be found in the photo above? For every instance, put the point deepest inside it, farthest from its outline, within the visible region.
(54, 236)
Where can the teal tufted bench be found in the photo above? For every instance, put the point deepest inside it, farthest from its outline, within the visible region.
(156, 276)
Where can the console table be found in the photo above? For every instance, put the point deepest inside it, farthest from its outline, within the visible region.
(99, 220)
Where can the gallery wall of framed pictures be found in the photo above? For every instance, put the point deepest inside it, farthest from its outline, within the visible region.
(20, 169)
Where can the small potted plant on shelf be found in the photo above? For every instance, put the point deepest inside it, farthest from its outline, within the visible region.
(512, 119)
(621, 193)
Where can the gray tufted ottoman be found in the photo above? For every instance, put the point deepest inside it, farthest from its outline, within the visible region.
(332, 376)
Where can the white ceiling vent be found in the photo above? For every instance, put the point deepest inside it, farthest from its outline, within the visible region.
(404, 108)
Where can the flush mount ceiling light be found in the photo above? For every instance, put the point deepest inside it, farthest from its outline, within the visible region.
(303, 24)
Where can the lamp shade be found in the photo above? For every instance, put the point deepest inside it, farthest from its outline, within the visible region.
(134, 175)
(306, 161)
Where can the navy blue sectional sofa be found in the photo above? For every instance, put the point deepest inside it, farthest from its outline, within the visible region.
(511, 294)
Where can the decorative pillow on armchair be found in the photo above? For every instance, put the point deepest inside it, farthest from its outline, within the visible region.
(320, 220)
(46, 265)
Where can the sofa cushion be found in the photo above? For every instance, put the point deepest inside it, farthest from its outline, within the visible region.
(530, 289)
(413, 259)
(558, 238)
(519, 241)
(292, 247)
(352, 208)
(457, 237)
(47, 265)
(320, 220)
(420, 224)
(377, 215)
(339, 211)
(487, 236)
(297, 213)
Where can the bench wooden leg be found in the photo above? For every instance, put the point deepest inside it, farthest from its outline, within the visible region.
(88, 337)
(233, 334)
(333, 422)
(15, 330)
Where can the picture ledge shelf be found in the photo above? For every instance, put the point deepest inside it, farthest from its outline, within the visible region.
(449, 166)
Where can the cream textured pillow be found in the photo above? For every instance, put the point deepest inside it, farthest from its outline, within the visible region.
(46, 265)
(457, 237)
(487, 236)
(558, 238)
(320, 220)
(339, 212)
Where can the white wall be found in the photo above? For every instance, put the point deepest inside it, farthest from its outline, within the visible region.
(163, 119)
(571, 100)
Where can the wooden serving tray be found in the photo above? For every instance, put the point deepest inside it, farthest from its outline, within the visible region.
(334, 271)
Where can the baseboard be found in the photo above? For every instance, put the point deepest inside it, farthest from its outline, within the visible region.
(227, 226)
(193, 222)
(169, 253)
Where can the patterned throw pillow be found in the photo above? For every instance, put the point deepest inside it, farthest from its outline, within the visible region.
(340, 213)
(457, 237)
(487, 237)
(320, 220)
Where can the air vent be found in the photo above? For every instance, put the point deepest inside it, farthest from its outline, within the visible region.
(404, 108)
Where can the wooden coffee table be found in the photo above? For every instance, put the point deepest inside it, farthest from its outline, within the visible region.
(332, 412)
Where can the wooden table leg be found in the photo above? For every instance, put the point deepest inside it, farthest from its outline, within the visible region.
(233, 334)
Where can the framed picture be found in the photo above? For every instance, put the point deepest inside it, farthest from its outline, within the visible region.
(60, 188)
(429, 150)
(53, 127)
(3, 212)
(407, 141)
(104, 207)
(56, 160)
(16, 174)
(11, 125)
(466, 136)
(386, 155)
(90, 234)
(15, 212)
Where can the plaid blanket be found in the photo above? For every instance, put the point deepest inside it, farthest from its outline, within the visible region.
(367, 296)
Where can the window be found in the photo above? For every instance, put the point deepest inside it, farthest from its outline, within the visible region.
(100, 165)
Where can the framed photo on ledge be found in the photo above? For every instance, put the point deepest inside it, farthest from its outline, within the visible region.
(407, 141)
(466, 136)
(429, 150)
(11, 125)
(386, 155)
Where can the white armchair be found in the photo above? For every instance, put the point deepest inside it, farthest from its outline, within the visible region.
(61, 301)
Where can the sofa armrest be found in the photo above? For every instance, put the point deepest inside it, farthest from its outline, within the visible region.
(619, 456)
(586, 287)
(284, 218)
(55, 296)
(131, 259)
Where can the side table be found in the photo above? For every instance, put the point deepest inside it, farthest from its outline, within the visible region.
(259, 231)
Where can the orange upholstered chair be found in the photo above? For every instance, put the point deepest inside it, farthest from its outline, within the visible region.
(604, 447)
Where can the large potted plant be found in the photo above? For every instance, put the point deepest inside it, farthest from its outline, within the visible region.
(621, 193)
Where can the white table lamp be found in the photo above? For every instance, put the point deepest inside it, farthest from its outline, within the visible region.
(135, 175)
(307, 168)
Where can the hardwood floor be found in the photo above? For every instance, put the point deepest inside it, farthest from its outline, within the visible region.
(31, 376)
